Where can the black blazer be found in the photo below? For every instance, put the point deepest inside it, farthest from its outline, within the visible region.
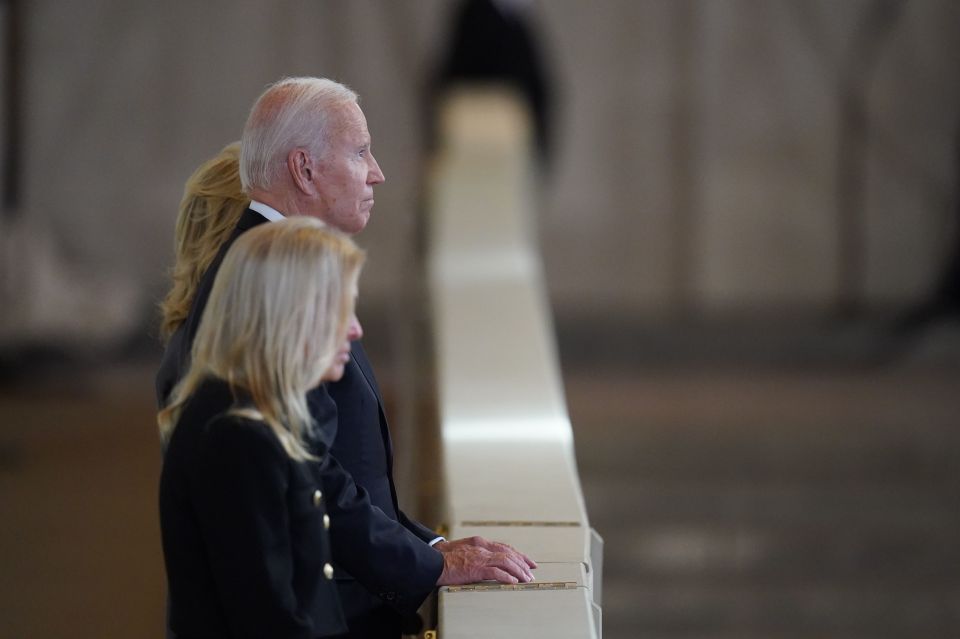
(244, 529)
(373, 541)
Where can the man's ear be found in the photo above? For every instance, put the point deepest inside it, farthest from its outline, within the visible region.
(302, 170)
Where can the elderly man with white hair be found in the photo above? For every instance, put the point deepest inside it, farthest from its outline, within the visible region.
(306, 150)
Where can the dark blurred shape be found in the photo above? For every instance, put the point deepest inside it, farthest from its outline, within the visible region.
(13, 63)
(492, 41)
(411, 624)
(877, 25)
(944, 303)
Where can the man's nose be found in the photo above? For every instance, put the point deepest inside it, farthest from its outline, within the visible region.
(375, 175)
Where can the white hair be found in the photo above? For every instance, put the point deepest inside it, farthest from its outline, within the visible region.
(292, 113)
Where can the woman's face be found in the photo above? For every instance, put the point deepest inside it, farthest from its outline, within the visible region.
(354, 332)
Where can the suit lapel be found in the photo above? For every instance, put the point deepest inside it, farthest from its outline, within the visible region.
(360, 357)
(248, 220)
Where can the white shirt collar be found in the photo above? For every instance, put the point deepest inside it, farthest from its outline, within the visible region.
(266, 211)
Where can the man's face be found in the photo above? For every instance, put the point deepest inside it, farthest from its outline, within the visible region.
(347, 172)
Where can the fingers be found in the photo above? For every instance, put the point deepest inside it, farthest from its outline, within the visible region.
(515, 566)
(495, 574)
(469, 564)
(498, 546)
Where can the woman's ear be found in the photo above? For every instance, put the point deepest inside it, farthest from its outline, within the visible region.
(302, 170)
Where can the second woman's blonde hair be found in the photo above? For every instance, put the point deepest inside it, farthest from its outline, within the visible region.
(213, 201)
(277, 313)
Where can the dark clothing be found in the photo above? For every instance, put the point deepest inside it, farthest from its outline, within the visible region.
(493, 44)
(243, 530)
(372, 540)
(176, 356)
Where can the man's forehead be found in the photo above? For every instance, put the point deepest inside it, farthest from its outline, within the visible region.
(349, 119)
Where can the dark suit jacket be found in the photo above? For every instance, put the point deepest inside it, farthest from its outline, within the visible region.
(373, 541)
(243, 530)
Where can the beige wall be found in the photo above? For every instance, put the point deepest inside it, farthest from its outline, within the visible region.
(698, 165)
(696, 146)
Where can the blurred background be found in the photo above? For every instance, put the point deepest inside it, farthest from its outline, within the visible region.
(749, 217)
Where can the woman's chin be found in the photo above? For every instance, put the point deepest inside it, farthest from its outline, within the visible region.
(333, 374)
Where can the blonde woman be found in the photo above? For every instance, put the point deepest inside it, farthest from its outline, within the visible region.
(213, 201)
(242, 506)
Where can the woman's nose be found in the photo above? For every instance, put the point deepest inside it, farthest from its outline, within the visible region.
(354, 330)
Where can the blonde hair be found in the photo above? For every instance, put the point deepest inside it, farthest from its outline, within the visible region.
(291, 113)
(278, 310)
(212, 203)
